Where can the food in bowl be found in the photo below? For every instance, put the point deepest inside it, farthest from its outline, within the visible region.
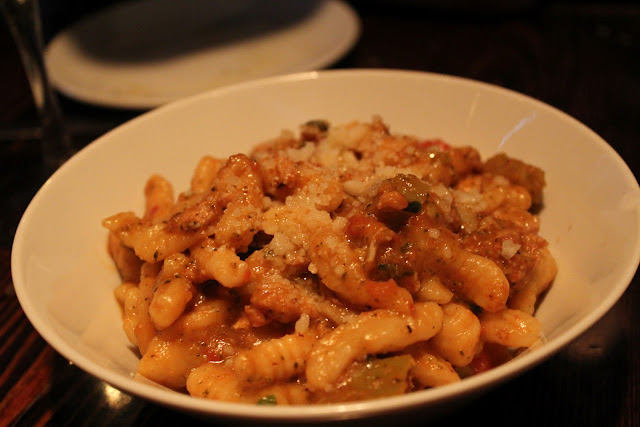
(339, 263)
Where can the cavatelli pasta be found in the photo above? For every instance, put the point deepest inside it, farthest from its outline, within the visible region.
(343, 262)
(278, 359)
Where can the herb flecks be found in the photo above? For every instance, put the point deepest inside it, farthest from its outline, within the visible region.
(267, 400)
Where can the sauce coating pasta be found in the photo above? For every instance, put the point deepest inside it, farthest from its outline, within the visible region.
(335, 264)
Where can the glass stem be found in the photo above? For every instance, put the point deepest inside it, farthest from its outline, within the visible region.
(23, 17)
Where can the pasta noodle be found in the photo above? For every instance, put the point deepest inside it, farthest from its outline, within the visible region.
(337, 263)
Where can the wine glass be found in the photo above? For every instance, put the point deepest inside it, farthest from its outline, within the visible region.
(23, 19)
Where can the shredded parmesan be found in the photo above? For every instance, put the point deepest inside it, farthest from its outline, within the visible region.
(509, 248)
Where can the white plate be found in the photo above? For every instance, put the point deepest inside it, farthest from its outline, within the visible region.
(145, 53)
(64, 278)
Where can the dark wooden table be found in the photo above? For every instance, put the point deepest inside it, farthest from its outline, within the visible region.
(583, 58)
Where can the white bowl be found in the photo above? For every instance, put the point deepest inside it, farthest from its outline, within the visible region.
(64, 278)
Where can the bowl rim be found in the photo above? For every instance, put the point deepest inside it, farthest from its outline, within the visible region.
(323, 412)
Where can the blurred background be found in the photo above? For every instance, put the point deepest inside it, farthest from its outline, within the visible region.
(538, 47)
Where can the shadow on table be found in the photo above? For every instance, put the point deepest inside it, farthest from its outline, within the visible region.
(136, 32)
